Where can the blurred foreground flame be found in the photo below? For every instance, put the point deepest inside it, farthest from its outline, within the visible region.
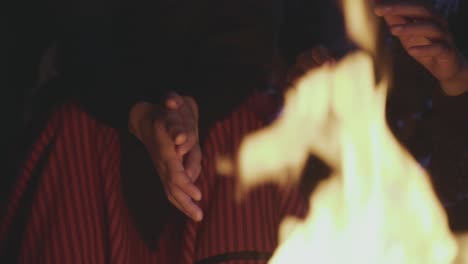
(378, 205)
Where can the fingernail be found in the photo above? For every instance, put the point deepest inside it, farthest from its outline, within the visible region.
(172, 104)
(180, 139)
(198, 197)
(199, 216)
(181, 151)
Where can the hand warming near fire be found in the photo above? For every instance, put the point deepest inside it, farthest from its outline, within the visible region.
(170, 135)
(426, 38)
(72, 201)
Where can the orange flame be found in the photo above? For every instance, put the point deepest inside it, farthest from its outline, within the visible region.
(378, 206)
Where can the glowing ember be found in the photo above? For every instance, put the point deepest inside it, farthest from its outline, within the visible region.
(378, 206)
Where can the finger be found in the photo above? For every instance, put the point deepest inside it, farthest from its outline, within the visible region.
(184, 130)
(392, 20)
(192, 163)
(178, 125)
(189, 188)
(180, 136)
(439, 50)
(409, 12)
(197, 172)
(179, 178)
(175, 202)
(175, 128)
(419, 29)
(190, 140)
(170, 122)
(404, 10)
(186, 206)
(173, 171)
(173, 101)
(164, 148)
(189, 115)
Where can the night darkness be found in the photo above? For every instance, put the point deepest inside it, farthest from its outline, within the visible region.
(105, 55)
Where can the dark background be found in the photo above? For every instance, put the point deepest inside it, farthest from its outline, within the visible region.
(105, 47)
(101, 43)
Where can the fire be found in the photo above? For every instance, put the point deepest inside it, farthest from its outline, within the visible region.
(378, 206)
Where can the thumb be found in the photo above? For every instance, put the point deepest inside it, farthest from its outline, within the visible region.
(173, 101)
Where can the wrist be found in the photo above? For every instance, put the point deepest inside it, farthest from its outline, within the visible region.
(458, 84)
(139, 112)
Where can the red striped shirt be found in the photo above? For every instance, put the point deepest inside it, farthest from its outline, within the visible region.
(77, 212)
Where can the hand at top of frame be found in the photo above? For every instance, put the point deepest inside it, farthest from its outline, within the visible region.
(426, 37)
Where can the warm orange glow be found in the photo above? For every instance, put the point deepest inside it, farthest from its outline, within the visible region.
(378, 206)
(462, 257)
(361, 23)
